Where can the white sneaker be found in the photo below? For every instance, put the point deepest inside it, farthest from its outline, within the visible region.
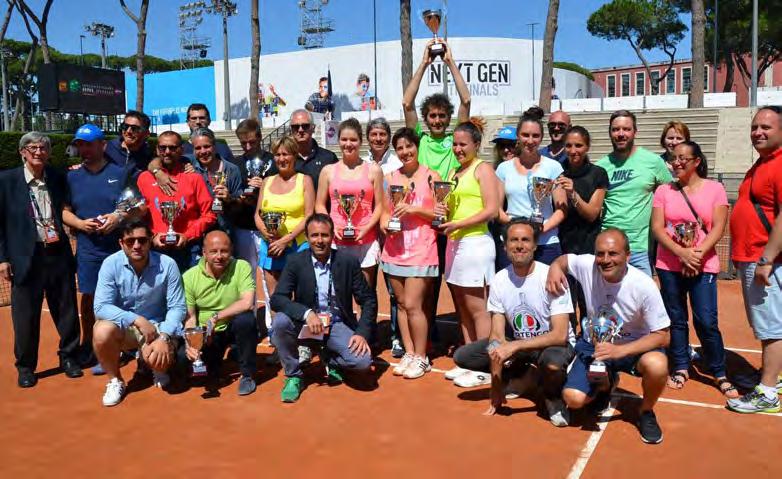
(417, 368)
(161, 380)
(305, 355)
(472, 379)
(403, 364)
(454, 373)
(558, 413)
(115, 390)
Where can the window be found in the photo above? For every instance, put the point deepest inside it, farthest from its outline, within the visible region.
(654, 77)
(670, 82)
(640, 83)
(611, 85)
(706, 82)
(686, 79)
(625, 84)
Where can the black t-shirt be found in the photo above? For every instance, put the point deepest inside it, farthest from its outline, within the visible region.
(576, 234)
(317, 159)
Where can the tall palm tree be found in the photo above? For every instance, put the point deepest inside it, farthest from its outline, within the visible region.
(698, 53)
(547, 76)
(406, 37)
(254, 58)
(141, 42)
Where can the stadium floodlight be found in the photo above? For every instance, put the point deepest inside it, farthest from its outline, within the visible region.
(103, 31)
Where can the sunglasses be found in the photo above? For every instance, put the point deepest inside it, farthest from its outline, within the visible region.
(132, 128)
(167, 147)
(129, 242)
(560, 126)
(300, 127)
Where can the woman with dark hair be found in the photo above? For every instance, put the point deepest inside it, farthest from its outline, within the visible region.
(688, 219)
(516, 179)
(409, 256)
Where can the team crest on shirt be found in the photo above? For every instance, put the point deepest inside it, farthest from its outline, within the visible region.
(525, 323)
(448, 141)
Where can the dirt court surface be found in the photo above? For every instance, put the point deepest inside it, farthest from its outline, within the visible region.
(388, 427)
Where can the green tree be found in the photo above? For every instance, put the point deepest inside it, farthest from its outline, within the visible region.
(645, 24)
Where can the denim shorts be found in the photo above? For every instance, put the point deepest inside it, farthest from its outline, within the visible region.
(641, 261)
(763, 304)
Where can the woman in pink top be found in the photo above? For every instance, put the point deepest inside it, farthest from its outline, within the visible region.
(691, 269)
(410, 254)
(352, 175)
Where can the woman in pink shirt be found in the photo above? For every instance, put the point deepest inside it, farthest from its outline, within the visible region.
(410, 252)
(364, 181)
(697, 207)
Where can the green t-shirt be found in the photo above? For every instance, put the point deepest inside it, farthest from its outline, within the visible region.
(208, 295)
(631, 185)
(436, 153)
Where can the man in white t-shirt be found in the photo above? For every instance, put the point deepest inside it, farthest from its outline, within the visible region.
(529, 326)
(614, 288)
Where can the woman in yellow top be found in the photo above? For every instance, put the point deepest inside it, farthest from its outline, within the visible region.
(290, 193)
(469, 254)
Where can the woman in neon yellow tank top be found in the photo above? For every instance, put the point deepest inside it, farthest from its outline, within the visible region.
(469, 254)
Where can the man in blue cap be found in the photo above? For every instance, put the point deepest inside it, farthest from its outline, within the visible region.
(90, 210)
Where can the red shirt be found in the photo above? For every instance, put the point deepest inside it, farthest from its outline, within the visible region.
(748, 236)
(196, 216)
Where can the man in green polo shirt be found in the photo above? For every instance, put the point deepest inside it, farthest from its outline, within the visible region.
(219, 293)
(633, 173)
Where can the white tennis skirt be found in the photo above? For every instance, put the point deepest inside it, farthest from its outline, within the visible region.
(368, 254)
(469, 262)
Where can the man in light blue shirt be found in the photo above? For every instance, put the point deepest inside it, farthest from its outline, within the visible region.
(139, 304)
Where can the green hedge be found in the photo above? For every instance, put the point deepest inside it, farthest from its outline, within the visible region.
(9, 148)
(574, 68)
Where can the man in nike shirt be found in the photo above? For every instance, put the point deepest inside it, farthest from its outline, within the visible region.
(633, 174)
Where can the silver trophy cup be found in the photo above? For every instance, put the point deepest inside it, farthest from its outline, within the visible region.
(601, 329)
(397, 194)
(686, 233)
(273, 220)
(441, 191)
(217, 178)
(129, 200)
(255, 167)
(348, 204)
(170, 210)
(195, 337)
(433, 18)
(541, 189)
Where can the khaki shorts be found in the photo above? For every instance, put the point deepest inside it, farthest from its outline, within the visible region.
(133, 339)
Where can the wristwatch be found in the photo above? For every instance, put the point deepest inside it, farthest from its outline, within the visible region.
(164, 337)
(763, 261)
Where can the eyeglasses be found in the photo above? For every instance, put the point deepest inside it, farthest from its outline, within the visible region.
(132, 128)
(34, 148)
(302, 126)
(559, 126)
(683, 159)
(129, 242)
(167, 147)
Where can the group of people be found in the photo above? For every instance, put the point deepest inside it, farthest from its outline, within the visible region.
(528, 244)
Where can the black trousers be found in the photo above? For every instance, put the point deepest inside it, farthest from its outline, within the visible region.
(51, 275)
(243, 331)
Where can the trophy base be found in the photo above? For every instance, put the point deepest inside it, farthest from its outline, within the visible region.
(394, 225)
(199, 368)
(437, 222)
(217, 207)
(170, 239)
(597, 372)
(349, 233)
(437, 49)
(249, 190)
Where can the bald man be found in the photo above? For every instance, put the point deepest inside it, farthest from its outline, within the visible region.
(219, 294)
(558, 125)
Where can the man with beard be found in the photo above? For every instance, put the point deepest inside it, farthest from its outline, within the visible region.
(633, 173)
(617, 291)
(558, 125)
(529, 326)
(131, 150)
(312, 158)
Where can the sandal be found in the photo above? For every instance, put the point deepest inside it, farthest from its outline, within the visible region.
(677, 379)
(727, 388)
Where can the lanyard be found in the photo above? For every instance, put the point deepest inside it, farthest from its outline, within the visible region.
(38, 214)
(330, 293)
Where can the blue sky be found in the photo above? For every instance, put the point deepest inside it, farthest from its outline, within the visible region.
(353, 22)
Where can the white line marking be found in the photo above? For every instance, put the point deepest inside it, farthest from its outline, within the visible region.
(738, 350)
(689, 403)
(593, 440)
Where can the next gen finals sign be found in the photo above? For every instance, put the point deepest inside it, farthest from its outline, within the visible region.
(483, 77)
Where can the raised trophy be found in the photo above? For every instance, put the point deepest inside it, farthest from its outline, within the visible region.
(129, 200)
(255, 168)
(541, 189)
(397, 194)
(217, 178)
(441, 191)
(195, 337)
(686, 233)
(273, 220)
(603, 328)
(348, 204)
(170, 210)
(433, 18)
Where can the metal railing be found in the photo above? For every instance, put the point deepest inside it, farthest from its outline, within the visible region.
(279, 132)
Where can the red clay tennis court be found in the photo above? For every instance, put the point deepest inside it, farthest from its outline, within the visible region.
(392, 428)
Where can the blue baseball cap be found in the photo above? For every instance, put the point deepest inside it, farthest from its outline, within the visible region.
(506, 133)
(88, 132)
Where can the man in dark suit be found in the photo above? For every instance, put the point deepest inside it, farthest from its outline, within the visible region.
(314, 299)
(36, 256)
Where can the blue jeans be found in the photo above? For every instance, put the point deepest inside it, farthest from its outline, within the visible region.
(640, 260)
(702, 290)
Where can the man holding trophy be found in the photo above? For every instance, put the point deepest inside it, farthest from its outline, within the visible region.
(139, 304)
(623, 306)
(220, 292)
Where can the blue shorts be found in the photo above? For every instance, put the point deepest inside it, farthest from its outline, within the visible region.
(277, 264)
(641, 261)
(87, 274)
(762, 303)
(577, 373)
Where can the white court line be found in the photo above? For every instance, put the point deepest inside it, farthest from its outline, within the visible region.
(738, 350)
(690, 403)
(592, 442)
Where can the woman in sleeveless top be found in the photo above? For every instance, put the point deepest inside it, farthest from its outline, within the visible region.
(469, 254)
(290, 193)
(409, 256)
(352, 175)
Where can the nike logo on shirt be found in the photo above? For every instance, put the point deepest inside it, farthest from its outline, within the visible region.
(620, 177)
(113, 181)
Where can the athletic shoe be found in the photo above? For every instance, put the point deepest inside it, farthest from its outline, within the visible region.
(558, 413)
(649, 429)
(246, 385)
(518, 386)
(397, 350)
(333, 375)
(417, 368)
(160, 380)
(305, 355)
(779, 384)
(472, 379)
(754, 401)
(115, 390)
(403, 364)
(454, 373)
(97, 370)
(291, 390)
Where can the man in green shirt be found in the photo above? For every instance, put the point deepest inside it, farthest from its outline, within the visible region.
(633, 173)
(219, 293)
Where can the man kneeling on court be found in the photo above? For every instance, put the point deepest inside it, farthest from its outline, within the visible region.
(139, 304)
(314, 299)
(614, 289)
(529, 326)
(219, 292)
